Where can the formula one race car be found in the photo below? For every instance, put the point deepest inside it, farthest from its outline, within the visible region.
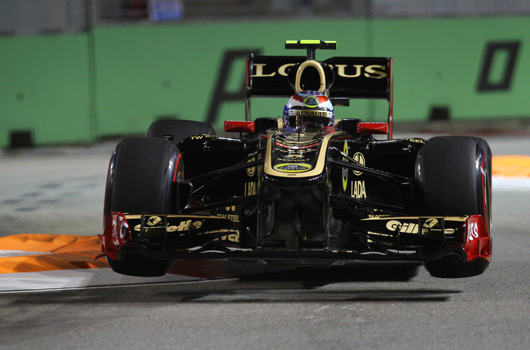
(302, 189)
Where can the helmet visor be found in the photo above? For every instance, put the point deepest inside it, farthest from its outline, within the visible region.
(308, 119)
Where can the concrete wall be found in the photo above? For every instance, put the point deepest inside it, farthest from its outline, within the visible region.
(116, 81)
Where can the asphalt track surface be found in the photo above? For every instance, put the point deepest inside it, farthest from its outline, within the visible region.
(60, 190)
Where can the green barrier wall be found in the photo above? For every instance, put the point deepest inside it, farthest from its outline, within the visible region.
(144, 73)
(116, 81)
(438, 62)
(44, 88)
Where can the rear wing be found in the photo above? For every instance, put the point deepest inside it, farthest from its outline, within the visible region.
(342, 78)
(355, 77)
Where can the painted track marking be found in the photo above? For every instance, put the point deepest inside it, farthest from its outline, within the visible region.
(511, 166)
(47, 252)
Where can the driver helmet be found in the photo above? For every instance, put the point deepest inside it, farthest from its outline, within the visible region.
(307, 110)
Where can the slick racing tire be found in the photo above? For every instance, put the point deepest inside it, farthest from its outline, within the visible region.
(177, 130)
(139, 266)
(141, 179)
(454, 177)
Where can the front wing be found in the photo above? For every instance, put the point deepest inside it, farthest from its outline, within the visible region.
(418, 239)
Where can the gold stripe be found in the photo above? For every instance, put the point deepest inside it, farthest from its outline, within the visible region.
(139, 216)
(317, 170)
(445, 218)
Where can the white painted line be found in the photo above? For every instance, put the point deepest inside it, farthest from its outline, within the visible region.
(510, 184)
(77, 278)
(8, 253)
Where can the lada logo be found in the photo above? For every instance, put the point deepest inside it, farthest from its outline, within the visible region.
(251, 170)
(359, 158)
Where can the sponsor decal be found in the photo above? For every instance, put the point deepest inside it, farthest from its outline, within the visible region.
(359, 158)
(292, 167)
(311, 101)
(115, 231)
(153, 220)
(119, 230)
(358, 189)
(178, 176)
(154, 223)
(411, 227)
(231, 236)
(226, 215)
(185, 226)
(345, 170)
(198, 137)
(252, 170)
(415, 140)
(231, 217)
(292, 158)
(309, 113)
(251, 188)
(373, 71)
(430, 222)
(472, 231)
(261, 66)
(405, 227)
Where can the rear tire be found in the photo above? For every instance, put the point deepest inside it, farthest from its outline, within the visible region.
(177, 130)
(454, 178)
(141, 179)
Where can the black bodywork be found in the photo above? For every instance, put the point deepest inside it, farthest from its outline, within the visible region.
(340, 213)
(270, 195)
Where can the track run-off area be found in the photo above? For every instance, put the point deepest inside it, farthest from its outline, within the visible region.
(55, 292)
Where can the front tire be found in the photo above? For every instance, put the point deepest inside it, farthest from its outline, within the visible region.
(139, 266)
(141, 180)
(454, 178)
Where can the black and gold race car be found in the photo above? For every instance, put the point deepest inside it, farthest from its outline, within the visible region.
(285, 191)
